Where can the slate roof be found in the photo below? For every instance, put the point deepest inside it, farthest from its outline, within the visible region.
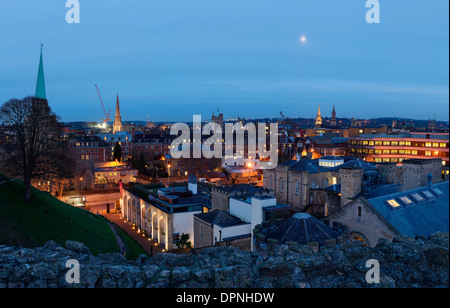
(220, 218)
(422, 217)
(312, 165)
(302, 228)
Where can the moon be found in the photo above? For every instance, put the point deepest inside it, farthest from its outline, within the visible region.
(303, 39)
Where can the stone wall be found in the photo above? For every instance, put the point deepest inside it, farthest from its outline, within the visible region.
(405, 262)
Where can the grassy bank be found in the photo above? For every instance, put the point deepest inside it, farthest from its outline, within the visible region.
(47, 218)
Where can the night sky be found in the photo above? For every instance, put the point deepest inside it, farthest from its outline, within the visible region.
(171, 59)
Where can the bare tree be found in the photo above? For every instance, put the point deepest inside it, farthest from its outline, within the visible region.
(32, 153)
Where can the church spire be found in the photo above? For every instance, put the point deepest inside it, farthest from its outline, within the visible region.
(318, 122)
(40, 84)
(117, 126)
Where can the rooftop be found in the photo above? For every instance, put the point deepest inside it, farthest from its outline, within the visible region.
(302, 228)
(421, 211)
(220, 218)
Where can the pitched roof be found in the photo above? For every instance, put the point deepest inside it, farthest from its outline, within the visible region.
(422, 211)
(302, 228)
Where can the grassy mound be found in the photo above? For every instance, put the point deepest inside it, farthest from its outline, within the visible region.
(46, 218)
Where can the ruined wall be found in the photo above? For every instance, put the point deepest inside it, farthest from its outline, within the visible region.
(405, 262)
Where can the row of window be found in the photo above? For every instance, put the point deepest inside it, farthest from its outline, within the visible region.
(88, 150)
(87, 144)
(89, 157)
(399, 143)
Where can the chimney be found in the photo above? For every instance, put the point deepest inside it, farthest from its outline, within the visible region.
(192, 184)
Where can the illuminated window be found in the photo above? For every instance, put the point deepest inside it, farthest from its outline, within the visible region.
(378, 143)
(393, 203)
(427, 153)
(386, 143)
(413, 152)
(428, 144)
(443, 145)
(408, 143)
(394, 143)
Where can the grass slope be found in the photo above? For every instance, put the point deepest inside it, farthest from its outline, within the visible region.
(46, 218)
(133, 247)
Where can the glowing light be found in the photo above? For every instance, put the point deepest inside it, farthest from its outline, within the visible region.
(303, 39)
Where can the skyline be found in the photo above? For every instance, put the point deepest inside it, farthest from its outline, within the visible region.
(247, 61)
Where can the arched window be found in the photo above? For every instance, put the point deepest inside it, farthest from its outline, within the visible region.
(297, 188)
(281, 185)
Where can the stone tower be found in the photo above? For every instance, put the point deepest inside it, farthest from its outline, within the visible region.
(117, 126)
(40, 84)
(416, 171)
(333, 121)
(218, 119)
(351, 182)
(318, 119)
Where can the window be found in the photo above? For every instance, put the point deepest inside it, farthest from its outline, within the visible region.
(394, 204)
(386, 143)
(428, 194)
(428, 144)
(427, 153)
(437, 191)
(297, 190)
(271, 182)
(406, 200)
(281, 185)
(417, 197)
(359, 211)
(313, 184)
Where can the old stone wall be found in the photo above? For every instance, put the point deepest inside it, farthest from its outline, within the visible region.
(405, 262)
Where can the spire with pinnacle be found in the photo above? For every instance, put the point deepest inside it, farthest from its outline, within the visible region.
(40, 85)
(117, 126)
(333, 120)
(318, 118)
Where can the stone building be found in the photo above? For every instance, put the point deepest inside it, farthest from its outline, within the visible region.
(416, 172)
(416, 212)
(296, 182)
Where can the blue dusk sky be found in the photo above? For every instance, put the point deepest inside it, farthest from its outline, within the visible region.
(170, 59)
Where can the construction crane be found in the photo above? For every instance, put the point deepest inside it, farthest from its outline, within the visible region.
(103, 106)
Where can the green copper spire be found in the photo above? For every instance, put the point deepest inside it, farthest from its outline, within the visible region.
(40, 85)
